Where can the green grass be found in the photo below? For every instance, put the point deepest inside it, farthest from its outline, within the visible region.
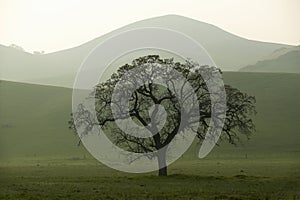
(86, 179)
(40, 159)
(33, 121)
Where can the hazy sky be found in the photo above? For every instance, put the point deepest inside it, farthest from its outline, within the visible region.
(53, 25)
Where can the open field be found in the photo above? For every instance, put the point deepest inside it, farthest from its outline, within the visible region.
(231, 178)
(40, 159)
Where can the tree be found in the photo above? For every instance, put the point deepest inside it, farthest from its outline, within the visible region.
(17, 47)
(146, 97)
(38, 52)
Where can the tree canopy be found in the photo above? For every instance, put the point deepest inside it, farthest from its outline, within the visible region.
(164, 110)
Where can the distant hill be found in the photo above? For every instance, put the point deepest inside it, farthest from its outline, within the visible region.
(33, 118)
(281, 51)
(287, 63)
(229, 51)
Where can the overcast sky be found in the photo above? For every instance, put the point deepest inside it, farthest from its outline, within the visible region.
(53, 25)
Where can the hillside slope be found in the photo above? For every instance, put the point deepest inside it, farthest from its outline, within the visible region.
(33, 118)
(286, 63)
(281, 51)
(230, 52)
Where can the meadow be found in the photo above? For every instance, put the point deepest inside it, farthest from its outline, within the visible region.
(40, 159)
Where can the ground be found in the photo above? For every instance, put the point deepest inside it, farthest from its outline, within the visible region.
(230, 177)
(40, 159)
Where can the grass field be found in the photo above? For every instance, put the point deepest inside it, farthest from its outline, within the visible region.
(188, 180)
(40, 159)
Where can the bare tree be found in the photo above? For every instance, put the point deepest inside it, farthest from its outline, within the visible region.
(145, 99)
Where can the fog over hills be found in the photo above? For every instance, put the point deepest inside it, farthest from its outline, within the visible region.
(283, 60)
(230, 52)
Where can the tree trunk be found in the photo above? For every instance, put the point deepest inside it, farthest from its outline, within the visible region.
(163, 171)
(161, 156)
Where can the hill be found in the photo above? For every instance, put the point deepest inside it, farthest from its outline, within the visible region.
(281, 51)
(33, 121)
(286, 63)
(229, 51)
(33, 118)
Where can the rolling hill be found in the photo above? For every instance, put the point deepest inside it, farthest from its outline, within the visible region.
(33, 118)
(281, 51)
(229, 51)
(288, 62)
